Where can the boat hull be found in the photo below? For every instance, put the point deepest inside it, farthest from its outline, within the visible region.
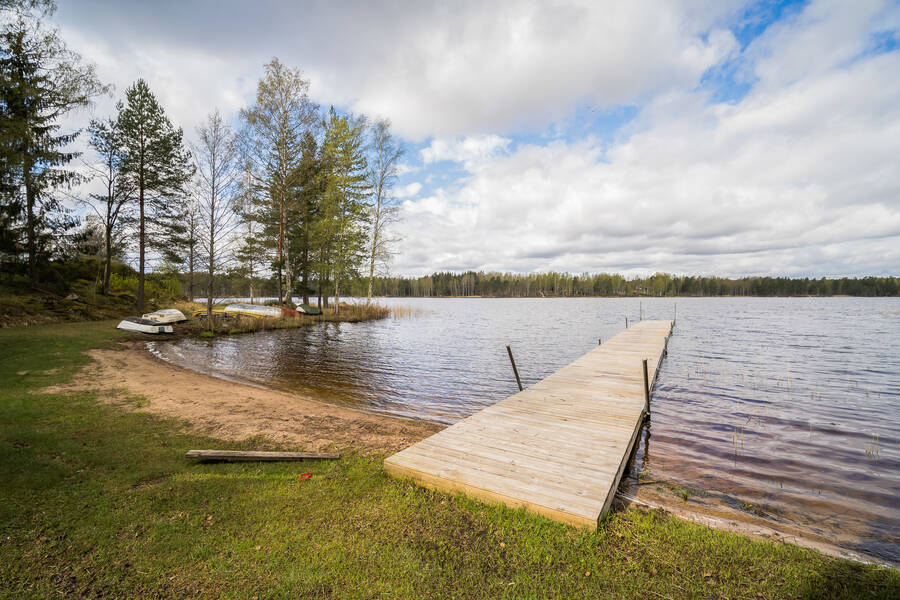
(143, 326)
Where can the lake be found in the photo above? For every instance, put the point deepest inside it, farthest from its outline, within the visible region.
(791, 405)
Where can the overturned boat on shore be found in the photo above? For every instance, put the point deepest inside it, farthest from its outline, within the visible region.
(308, 309)
(258, 311)
(143, 325)
(166, 315)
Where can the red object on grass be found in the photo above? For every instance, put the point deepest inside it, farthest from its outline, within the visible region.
(305, 476)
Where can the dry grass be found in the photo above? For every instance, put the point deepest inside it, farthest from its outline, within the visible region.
(406, 312)
(231, 325)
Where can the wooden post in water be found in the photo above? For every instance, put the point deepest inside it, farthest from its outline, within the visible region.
(646, 390)
(626, 322)
(599, 341)
(515, 370)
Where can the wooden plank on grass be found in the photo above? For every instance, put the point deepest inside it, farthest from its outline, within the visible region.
(250, 455)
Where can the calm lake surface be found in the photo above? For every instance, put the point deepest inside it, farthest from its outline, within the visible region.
(791, 405)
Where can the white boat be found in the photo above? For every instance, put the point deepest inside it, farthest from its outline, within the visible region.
(166, 315)
(143, 325)
(255, 310)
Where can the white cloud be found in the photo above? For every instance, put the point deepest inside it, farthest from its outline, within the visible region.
(799, 177)
(434, 69)
(405, 168)
(408, 191)
(470, 150)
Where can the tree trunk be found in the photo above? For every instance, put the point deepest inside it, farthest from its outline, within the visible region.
(372, 267)
(251, 281)
(140, 298)
(304, 273)
(210, 277)
(278, 273)
(288, 280)
(319, 291)
(31, 224)
(191, 269)
(337, 294)
(108, 266)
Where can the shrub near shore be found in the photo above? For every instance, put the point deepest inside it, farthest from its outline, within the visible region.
(99, 501)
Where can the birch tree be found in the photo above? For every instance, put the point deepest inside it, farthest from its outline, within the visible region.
(218, 175)
(112, 206)
(383, 209)
(271, 139)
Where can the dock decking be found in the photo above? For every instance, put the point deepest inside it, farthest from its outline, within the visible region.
(558, 448)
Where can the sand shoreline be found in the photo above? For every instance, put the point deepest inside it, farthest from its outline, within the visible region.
(132, 377)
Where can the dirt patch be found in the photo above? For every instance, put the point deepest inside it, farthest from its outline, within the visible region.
(236, 411)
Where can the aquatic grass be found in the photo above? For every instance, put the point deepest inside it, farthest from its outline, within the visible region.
(406, 312)
(97, 501)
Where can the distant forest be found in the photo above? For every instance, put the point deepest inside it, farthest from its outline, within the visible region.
(550, 285)
(511, 285)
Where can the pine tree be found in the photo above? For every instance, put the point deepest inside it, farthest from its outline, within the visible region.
(40, 82)
(251, 251)
(343, 216)
(309, 190)
(158, 166)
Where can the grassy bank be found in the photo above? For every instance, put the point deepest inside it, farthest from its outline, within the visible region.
(32, 306)
(97, 501)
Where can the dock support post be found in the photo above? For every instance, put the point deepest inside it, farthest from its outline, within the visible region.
(599, 341)
(646, 390)
(626, 322)
(515, 370)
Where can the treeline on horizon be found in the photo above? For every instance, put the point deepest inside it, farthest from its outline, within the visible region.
(514, 285)
(565, 285)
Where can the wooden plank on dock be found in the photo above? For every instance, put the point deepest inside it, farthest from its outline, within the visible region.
(559, 447)
(252, 455)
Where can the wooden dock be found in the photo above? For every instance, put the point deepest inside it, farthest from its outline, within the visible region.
(559, 447)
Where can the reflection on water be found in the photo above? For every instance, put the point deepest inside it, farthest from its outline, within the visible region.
(789, 404)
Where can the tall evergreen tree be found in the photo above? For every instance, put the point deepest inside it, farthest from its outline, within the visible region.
(159, 167)
(343, 215)
(309, 192)
(250, 253)
(41, 81)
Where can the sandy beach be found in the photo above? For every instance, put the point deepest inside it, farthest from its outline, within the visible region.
(131, 377)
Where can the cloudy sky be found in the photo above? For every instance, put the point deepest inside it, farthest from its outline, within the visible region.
(720, 137)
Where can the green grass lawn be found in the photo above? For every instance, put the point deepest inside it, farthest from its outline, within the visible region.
(96, 501)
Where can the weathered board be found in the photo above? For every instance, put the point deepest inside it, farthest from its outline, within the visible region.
(256, 455)
(559, 447)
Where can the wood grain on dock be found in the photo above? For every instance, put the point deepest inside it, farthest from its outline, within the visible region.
(559, 447)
